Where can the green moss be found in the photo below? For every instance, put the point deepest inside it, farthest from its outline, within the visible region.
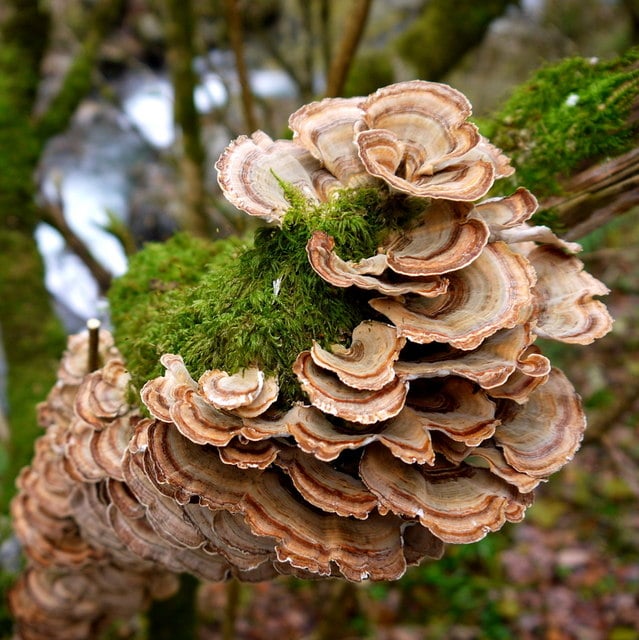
(568, 116)
(229, 306)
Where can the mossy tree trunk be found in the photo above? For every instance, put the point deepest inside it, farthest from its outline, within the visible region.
(33, 336)
(33, 339)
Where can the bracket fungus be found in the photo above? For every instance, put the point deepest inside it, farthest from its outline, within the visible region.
(420, 413)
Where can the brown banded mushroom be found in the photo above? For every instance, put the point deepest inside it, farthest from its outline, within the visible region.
(445, 238)
(433, 422)
(489, 365)
(458, 504)
(367, 274)
(415, 136)
(328, 393)
(539, 437)
(565, 296)
(492, 293)
(326, 129)
(250, 171)
(248, 392)
(368, 362)
(102, 394)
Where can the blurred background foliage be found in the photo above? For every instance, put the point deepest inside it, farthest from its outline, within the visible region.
(159, 87)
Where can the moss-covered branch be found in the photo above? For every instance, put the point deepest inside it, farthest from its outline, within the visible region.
(571, 132)
(33, 339)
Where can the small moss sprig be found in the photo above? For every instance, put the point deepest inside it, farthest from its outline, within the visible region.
(232, 304)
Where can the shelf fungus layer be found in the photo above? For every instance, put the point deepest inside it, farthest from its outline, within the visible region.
(422, 413)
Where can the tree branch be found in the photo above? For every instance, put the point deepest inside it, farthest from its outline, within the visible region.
(234, 21)
(79, 78)
(597, 195)
(179, 35)
(53, 214)
(345, 54)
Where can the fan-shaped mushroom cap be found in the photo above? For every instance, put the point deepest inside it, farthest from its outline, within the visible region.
(159, 394)
(329, 394)
(327, 488)
(492, 293)
(192, 471)
(496, 461)
(109, 446)
(564, 294)
(510, 211)
(417, 140)
(309, 540)
(343, 273)
(229, 535)
(91, 502)
(164, 514)
(46, 478)
(80, 463)
(520, 385)
(48, 540)
(458, 504)
(316, 435)
(368, 362)
(539, 437)
(250, 171)
(326, 129)
(249, 455)
(446, 238)
(140, 537)
(201, 422)
(102, 394)
(248, 392)
(489, 365)
(226, 391)
(454, 406)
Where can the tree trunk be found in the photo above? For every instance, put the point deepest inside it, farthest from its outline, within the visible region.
(179, 34)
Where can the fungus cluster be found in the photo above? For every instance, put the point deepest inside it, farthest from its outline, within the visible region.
(430, 422)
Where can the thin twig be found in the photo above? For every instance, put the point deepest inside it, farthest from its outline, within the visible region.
(53, 214)
(234, 22)
(93, 358)
(345, 54)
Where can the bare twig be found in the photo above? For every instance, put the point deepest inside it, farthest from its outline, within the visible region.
(353, 31)
(93, 359)
(53, 214)
(234, 22)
